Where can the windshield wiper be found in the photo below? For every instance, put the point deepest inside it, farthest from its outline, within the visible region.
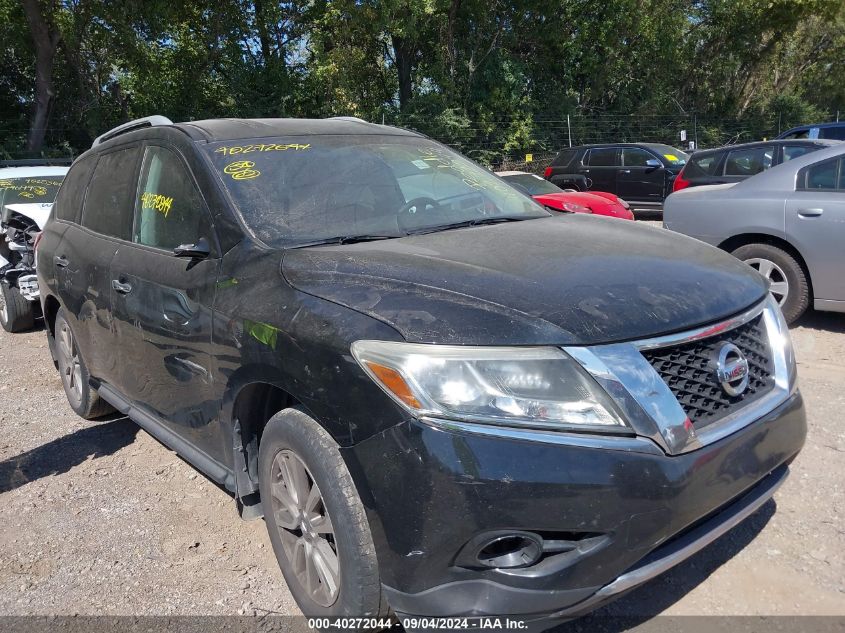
(345, 239)
(466, 223)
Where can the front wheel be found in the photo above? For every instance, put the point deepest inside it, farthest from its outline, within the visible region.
(316, 521)
(16, 313)
(787, 281)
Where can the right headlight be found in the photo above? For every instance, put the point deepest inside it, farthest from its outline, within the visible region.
(539, 387)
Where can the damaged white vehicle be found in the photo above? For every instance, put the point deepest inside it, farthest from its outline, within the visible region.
(26, 198)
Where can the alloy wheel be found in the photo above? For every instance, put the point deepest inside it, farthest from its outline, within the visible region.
(69, 363)
(779, 285)
(305, 529)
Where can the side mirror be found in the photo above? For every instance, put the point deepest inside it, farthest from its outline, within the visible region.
(200, 250)
(653, 162)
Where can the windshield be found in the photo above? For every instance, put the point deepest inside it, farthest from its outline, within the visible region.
(533, 184)
(671, 154)
(38, 189)
(306, 189)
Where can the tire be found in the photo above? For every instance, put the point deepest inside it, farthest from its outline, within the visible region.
(789, 282)
(84, 400)
(297, 454)
(16, 313)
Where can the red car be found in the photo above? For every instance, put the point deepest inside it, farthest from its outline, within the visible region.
(552, 196)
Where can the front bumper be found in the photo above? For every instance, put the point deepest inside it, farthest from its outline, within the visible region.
(631, 510)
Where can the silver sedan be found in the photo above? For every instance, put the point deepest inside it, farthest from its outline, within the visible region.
(787, 222)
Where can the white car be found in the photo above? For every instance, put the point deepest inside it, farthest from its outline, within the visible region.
(26, 198)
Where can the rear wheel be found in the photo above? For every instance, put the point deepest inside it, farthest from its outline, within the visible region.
(316, 520)
(16, 313)
(787, 281)
(84, 400)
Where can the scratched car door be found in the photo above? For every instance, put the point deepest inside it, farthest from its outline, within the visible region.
(162, 303)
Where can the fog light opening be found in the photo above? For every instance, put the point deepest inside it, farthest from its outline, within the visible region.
(510, 551)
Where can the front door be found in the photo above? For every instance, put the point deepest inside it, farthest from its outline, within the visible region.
(162, 304)
(815, 223)
(639, 181)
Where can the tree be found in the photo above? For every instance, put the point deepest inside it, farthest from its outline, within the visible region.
(45, 38)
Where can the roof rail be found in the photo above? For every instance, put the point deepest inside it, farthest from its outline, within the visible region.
(147, 121)
(36, 162)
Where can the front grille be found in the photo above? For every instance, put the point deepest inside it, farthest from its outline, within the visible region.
(689, 371)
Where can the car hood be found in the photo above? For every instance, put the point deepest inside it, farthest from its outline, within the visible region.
(38, 212)
(563, 280)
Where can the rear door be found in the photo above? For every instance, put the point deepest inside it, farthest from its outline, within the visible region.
(599, 166)
(83, 257)
(815, 222)
(162, 303)
(637, 180)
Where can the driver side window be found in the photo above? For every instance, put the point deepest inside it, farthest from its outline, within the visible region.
(169, 210)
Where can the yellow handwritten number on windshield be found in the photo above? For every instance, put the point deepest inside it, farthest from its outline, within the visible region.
(242, 170)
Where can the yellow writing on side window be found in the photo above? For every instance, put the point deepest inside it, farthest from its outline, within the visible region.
(157, 202)
(261, 147)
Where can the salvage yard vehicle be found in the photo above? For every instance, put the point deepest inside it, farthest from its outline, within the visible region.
(734, 163)
(26, 197)
(788, 223)
(641, 173)
(567, 200)
(444, 399)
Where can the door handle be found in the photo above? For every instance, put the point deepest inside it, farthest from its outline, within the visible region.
(60, 261)
(122, 288)
(810, 213)
(586, 171)
(624, 171)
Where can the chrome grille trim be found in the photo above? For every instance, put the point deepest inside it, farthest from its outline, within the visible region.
(649, 405)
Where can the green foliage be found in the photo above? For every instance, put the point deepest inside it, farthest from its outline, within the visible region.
(490, 77)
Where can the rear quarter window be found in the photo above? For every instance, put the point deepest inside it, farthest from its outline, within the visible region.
(72, 192)
(699, 166)
(564, 158)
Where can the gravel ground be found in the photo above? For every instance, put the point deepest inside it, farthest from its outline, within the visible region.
(99, 518)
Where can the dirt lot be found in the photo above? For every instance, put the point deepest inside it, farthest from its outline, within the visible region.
(102, 519)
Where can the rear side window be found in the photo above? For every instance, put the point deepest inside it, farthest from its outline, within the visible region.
(702, 165)
(794, 151)
(564, 157)
(822, 176)
(837, 133)
(169, 209)
(798, 134)
(72, 192)
(603, 157)
(108, 204)
(747, 162)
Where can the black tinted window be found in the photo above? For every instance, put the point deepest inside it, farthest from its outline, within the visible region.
(836, 133)
(703, 165)
(822, 175)
(747, 162)
(603, 157)
(109, 202)
(564, 157)
(636, 157)
(72, 192)
(169, 209)
(794, 151)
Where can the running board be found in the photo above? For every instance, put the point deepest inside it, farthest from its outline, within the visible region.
(197, 458)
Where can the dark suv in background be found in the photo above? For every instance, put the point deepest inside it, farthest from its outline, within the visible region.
(443, 399)
(639, 173)
(734, 163)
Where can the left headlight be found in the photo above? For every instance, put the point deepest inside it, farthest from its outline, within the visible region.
(539, 387)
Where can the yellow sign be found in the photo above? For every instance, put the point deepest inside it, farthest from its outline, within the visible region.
(529, 158)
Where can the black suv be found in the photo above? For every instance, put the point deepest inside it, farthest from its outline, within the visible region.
(734, 163)
(443, 399)
(639, 173)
